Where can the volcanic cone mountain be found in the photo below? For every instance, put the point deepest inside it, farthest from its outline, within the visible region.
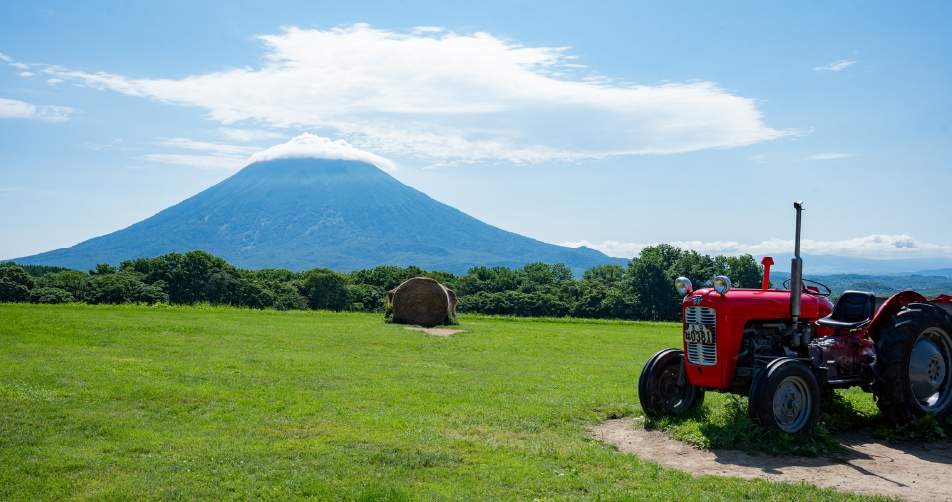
(303, 213)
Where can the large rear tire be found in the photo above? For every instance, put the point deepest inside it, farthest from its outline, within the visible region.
(658, 388)
(785, 397)
(913, 367)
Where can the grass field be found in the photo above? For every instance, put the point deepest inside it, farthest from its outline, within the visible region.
(145, 403)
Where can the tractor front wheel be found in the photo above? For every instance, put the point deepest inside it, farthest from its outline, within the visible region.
(913, 367)
(785, 396)
(664, 386)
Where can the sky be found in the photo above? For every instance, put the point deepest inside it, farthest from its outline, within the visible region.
(608, 124)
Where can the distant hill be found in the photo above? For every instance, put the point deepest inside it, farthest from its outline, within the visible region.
(942, 271)
(304, 213)
(883, 285)
(832, 264)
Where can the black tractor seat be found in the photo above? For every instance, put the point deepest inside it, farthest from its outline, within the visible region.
(853, 310)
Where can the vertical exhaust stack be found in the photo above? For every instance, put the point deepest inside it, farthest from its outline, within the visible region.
(766, 262)
(796, 271)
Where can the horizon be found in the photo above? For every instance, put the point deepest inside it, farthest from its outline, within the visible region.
(106, 117)
(309, 147)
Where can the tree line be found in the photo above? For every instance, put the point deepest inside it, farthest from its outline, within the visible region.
(644, 290)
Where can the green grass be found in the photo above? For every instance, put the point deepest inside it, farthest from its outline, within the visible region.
(723, 422)
(146, 403)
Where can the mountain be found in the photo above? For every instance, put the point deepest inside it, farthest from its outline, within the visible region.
(831, 264)
(942, 271)
(883, 285)
(302, 213)
(882, 277)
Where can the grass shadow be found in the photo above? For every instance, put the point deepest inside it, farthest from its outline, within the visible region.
(723, 422)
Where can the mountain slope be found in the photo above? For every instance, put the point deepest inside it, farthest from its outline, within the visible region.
(305, 213)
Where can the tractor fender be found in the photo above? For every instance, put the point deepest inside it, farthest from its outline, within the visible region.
(891, 307)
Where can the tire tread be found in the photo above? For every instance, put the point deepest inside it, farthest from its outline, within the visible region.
(893, 394)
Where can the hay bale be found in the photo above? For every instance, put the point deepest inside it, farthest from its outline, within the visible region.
(422, 301)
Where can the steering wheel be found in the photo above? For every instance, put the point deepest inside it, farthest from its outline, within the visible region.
(786, 285)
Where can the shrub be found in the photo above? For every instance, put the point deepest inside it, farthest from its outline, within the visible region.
(125, 287)
(50, 295)
(326, 290)
(15, 284)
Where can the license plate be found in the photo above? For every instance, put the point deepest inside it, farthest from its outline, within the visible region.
(698, 333)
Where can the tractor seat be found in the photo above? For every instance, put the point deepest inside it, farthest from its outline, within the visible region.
(852, 311)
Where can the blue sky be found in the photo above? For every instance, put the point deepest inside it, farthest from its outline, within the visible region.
(611, 124)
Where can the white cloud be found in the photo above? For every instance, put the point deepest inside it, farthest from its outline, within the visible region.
(54, 81)
(5, 58)
(236, 156)
(311, 146)
(873, 246)
(222, 157)
(20, 66)
(11, 108)
(828, 156)
(200, 161)
(249, 134)
(835, 66)
(26, 74)
(428, 29)
(115, 143)
(436, 94)
(437, 165)
(214, 147)
(611, 248)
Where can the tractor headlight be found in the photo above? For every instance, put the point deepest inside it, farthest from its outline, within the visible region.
(683, 285)
(722, 285)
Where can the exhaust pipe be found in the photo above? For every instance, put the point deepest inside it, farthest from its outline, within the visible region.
(796, 271)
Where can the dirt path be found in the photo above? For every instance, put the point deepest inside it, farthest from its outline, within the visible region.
(444, 332)
(915, 471)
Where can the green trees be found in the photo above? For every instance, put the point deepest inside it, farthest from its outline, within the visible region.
(103, 269)
(34, 270)
(193, 277)
(15, 284)
(537, 289)
(742, 270)
(643, 290)
(651, 277)
(45, 294)
(606, 275)
(326, 289)
(125, 287)
(73, 282)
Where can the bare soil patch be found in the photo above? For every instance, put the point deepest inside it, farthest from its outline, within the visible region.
(444, 332)
(912, 471)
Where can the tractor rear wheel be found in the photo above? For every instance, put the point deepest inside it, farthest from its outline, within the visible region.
(913, 367)
(785, 396)
(658, 388)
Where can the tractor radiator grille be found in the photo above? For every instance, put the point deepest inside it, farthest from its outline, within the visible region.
(702, 354)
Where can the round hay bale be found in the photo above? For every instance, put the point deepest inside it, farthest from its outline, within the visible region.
(420, 301)
(453, 301)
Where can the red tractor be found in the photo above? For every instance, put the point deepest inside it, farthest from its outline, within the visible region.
(780, 347)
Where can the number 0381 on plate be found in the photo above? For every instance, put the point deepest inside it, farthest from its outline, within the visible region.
(698, 333)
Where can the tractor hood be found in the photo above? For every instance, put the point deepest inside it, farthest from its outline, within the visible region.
(759, 303)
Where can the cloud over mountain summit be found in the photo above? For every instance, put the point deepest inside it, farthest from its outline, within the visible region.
(315, 147)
